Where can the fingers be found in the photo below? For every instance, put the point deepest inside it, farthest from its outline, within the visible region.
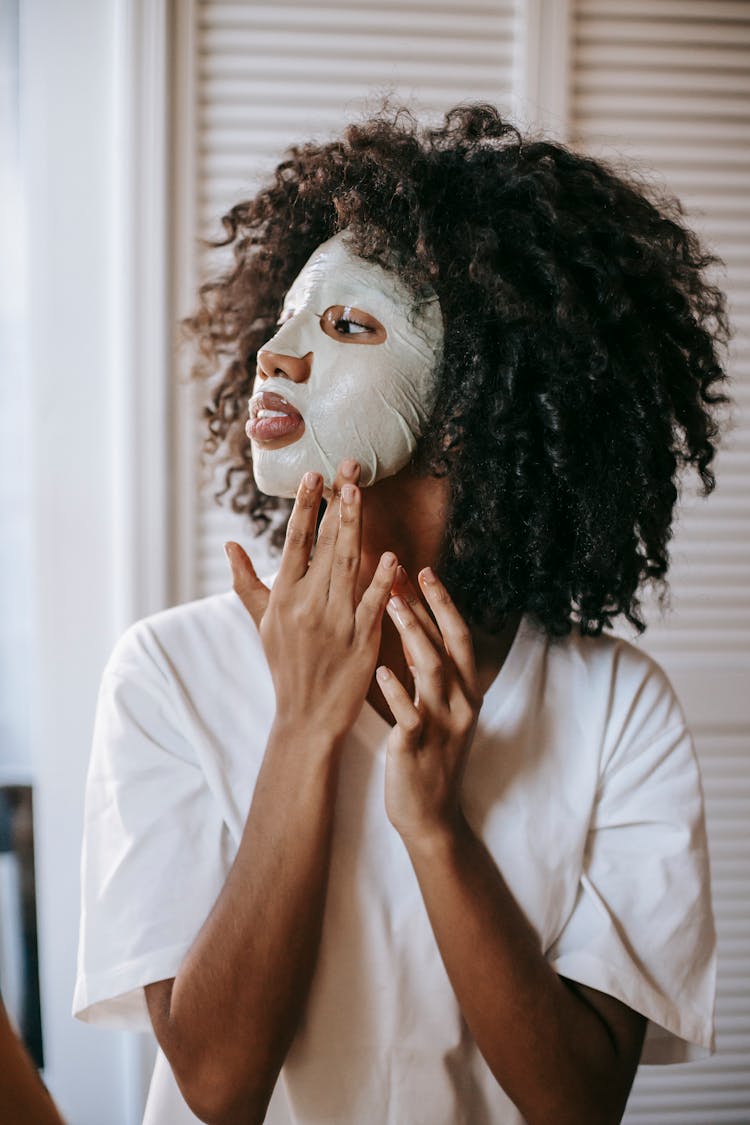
(372, 605)
(347, 549)
(245, 582)
(454, 630)
(405, 589)
(430, 673)
(320, 567)
(300, 531)
(402, 708)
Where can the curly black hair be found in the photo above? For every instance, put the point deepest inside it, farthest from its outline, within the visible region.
(581, 368)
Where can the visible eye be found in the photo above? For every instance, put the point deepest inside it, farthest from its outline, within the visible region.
(349, 327)
(345, 323)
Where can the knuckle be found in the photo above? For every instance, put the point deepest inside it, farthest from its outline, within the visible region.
(306, 501)
(326, 540)
(298, 536)
(465, 720)
(345, 563)
(463, 635)
(301, 618)
(382, 589)
(412, 726)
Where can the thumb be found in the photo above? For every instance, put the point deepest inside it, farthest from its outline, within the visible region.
(245, 582)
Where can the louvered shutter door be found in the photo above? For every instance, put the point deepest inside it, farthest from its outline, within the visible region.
(268, 75)
(667, 81)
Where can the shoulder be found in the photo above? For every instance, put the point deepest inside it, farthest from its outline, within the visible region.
(209, 631)
(619, 685)
(192, 680)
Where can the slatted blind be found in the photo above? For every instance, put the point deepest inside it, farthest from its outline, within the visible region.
(667, 82)
(664, 82)
(267, 75)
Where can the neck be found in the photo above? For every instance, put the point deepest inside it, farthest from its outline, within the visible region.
(408, 515)
(405, 514)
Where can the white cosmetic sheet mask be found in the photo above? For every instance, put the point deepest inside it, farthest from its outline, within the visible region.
(366, 401)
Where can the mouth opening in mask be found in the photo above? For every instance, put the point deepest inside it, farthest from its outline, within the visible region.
(272, 417)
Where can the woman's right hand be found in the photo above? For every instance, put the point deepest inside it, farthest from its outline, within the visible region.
(321, 642)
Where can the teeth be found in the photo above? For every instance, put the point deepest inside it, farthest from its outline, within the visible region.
(272, 414)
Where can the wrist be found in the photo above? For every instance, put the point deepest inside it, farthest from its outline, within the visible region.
(438, 839)
(304, 738)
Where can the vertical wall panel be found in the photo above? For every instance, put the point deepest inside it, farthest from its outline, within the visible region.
(664, 83)
(667, 83)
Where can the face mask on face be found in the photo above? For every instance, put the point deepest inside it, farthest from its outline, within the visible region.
(351, 372)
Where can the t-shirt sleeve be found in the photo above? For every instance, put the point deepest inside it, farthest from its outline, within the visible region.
(155, 844)
(641, 928)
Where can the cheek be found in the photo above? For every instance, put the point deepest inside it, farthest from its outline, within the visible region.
(342, 375)
(373, 366)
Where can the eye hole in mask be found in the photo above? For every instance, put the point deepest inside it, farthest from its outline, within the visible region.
(346, 324)
(343, 322)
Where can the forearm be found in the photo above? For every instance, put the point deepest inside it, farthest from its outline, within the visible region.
(22, 1095)
(238, 996)
(551, 1052)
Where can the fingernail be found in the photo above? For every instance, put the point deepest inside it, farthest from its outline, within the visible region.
(383, 674)
(388, 559)
(347, 493)
(311, 480)
(428, 576)
(229, 552)
(401, 574)
(349, 468)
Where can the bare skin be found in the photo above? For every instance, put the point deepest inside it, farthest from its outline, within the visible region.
(226, 1033)
(23, 1098)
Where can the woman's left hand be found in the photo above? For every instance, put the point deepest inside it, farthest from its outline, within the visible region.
(429, 745)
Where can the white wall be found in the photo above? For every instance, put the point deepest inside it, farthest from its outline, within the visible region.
(68, 123)
(14, 433)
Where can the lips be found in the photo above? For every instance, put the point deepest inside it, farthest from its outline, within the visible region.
(281, 420)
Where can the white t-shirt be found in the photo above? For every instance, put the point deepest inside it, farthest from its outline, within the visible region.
(582, 781)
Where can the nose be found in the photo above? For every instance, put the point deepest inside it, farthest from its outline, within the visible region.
(288, 366)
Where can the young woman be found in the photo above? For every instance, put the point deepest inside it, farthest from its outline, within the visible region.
(402, 824)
